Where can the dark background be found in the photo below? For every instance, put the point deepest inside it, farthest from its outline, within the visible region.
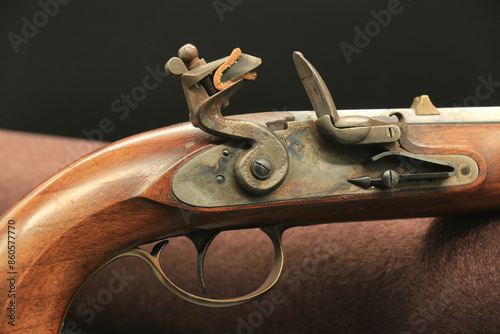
(65, 78)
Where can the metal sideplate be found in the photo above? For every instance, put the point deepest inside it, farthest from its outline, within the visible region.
(317, 169)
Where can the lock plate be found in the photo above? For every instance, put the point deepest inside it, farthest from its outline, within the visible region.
(317, 169)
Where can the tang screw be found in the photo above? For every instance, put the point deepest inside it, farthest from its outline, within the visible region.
(262, 167)
(465, 170)
(390, 178)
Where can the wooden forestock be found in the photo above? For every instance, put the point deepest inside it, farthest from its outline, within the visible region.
(120, 196)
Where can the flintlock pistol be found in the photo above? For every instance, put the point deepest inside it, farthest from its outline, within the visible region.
(272, 171)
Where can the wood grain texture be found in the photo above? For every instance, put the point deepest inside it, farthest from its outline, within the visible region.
(120, 196)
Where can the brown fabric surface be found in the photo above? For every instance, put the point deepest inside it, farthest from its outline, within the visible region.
(405, 276)
(28, 159)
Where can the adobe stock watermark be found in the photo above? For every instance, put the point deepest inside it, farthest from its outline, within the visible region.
(223, 6)
(484, 90)
(87, 310)
(293, 277)
(424, 316)
(122, 107)
(30, 28)
(363, 38)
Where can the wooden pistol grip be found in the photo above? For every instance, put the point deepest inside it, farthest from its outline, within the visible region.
(84, 215)
(120, 196)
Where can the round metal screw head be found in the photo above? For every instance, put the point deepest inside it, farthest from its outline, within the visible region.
(262, 167)
(465, 170)
(220, 179)
(390, 178)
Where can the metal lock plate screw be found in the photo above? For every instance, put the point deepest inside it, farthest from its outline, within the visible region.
(220, 179)
(262, 167)
(390, 178)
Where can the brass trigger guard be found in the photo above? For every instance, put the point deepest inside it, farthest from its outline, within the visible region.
(152, 260)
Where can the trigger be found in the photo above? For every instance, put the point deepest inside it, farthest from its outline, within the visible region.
(202, 241)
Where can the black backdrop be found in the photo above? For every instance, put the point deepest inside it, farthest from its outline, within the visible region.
(61, 71)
